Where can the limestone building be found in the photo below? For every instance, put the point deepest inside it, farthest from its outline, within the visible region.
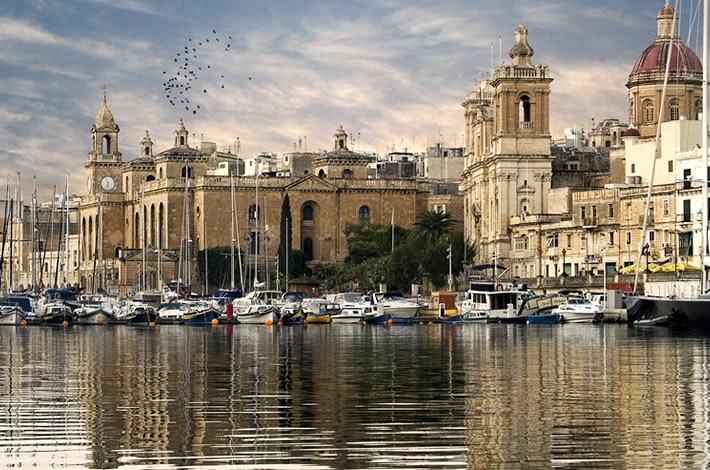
(146, 217)
(507, 161)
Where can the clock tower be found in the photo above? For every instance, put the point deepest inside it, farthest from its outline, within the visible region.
(102, 166)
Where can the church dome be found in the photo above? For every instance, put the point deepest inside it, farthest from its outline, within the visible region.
(104, 117)
(631, 132)
(650, 67)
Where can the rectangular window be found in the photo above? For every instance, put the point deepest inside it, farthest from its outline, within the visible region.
(685, 244)
(583, 213)
(569, 241)
(651, 237)
(628, 238)
(666, 207)
(611, 238)
(686, 210)
(670, 166)
(686, 178)
(611, 211)
(633, 168)
(594, 212)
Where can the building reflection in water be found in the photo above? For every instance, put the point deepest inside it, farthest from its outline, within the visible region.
(432, 396)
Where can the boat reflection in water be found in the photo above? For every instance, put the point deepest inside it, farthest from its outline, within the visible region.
(424, 396)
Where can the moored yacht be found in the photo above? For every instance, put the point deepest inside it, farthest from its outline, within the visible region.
(577, 310)
(399, 309)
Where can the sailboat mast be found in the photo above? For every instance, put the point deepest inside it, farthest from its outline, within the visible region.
(706, 106)
(231, 224)
(256, 233)
(4, 231)
(66, 230)
(239, 243)
(143, 284)
(656, 151)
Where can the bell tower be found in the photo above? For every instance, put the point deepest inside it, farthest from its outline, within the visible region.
(104, 159)
(146, 146)
(104, 136)
(181, 136)
(522, 102)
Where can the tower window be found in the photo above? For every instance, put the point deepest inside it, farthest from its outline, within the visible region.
(648, 111)
(341, 143)
(146, 150)
(524, 109)
(106, 144)
(347, 174)
(182, 140)
(674, 110)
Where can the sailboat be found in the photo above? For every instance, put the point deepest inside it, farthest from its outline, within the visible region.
(224, 297)
(672, 311)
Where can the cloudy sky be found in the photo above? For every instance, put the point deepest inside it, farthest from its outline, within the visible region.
(393, 73)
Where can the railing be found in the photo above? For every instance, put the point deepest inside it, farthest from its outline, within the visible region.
(684, 218)
(526, 125)
(307, 223)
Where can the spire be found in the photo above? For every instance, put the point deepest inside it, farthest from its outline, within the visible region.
(181, 135)
(104, 117)
(521, 51)
(146, 146)
(665, 22)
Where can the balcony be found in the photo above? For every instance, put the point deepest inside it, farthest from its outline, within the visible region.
(589, 222)
(526, 125)
(684, 218)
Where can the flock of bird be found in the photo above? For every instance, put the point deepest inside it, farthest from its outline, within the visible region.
(182, 87)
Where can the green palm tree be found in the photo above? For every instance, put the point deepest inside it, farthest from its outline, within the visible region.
(431, 226)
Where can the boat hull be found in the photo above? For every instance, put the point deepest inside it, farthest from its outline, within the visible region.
(12, 317)
(317, 319)
(545, 319)
(575, 317)
(57, 319)
(376, 318)
(204, 317)
(256, 315)
(673, 312)
(93, 317)
(346, 318)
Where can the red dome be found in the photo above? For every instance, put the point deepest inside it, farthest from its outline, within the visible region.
(631, 132)
(667, 10)
(653, 60)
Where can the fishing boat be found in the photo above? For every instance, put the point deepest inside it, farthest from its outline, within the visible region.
(319, 310)
(137, 313)
(491, 302)
(12, 315)
(202, 313)
(95, 309)
(257, 314)
(56, 313)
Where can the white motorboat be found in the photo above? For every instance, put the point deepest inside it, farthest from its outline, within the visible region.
(577, 310)
(95, 309)
(256, 314)
(11, 315)
(353, 307)
(395, 306)
(173, 311)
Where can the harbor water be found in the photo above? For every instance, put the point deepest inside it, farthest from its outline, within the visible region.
(354, 396)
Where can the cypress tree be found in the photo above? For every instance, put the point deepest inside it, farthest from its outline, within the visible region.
(285, 237)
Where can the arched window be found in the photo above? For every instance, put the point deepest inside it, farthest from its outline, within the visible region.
(347, 174)
(136, 231)
(308, 249)
(525, 206)
(152, 225)
(631, 110)
(253, 212)
(363, 215)
(341, 143)
(117, 251)
(321, 174)
(90, 241)
(648, 111)
(160, 226)
(146, 150)
(524, 112)
(182, 140)
(674, 110)
(187, 172)
(698, 109)
(150, 178)
(307, 213)
(106, 144)
(198, 211)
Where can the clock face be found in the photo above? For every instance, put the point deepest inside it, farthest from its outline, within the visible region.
(108, 183)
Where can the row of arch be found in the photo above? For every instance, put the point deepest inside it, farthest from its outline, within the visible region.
(649, 110)
(347, 174)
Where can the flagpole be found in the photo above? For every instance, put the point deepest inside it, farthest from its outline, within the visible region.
(393, 229)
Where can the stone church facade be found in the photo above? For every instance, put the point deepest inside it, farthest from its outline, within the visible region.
(174, 203)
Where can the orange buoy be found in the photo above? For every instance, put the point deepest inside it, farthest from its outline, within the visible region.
(215, 322)
(99, 321)
(280, 323)
(151, 324)
(389, 322)
(65, 323)
(23, 323)
(268, 322)
(431, 322)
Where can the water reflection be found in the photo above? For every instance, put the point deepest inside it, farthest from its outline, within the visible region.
(352, 396)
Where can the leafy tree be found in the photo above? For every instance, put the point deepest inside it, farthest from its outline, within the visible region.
(371, 272)
(330, 275)
(435, 262)
(403, 268)
(366, 241)
(430, 226)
